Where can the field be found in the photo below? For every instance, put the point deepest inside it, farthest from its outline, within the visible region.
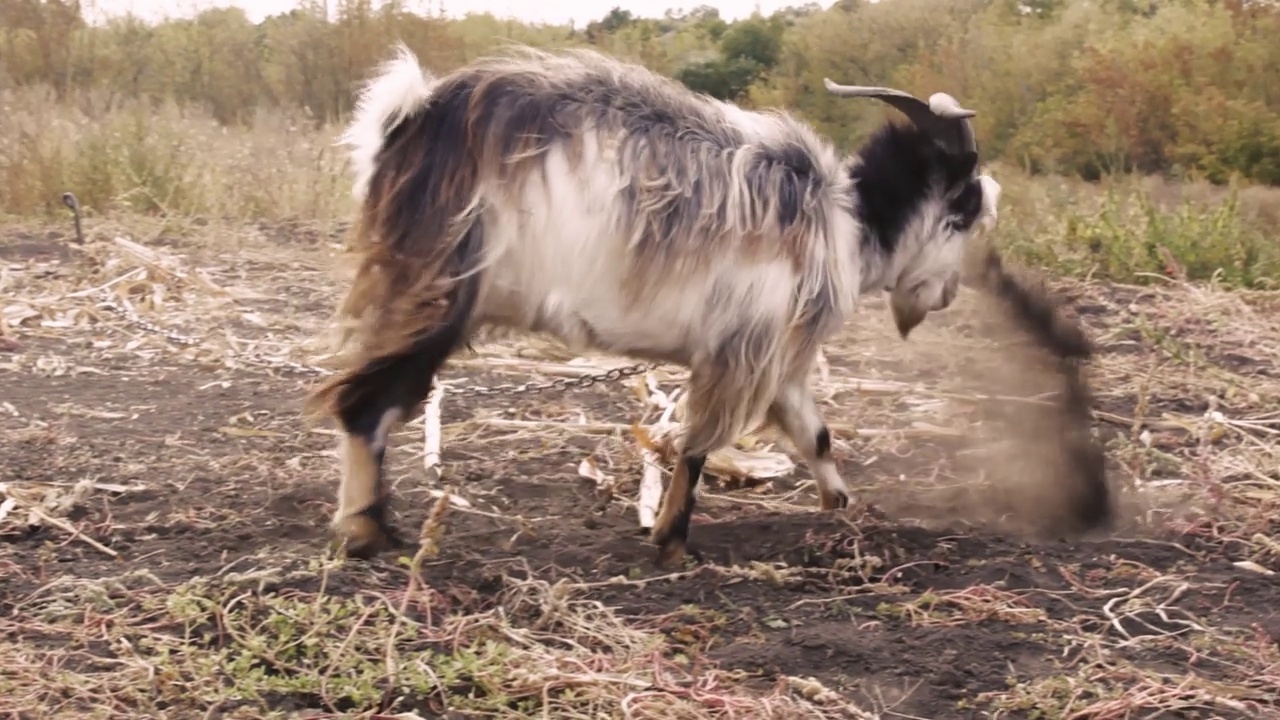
(164, 549)
(164, 516)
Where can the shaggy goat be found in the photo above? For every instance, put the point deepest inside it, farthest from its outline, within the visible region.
(592, 200)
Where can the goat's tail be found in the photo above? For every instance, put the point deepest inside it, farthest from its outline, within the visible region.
(399, 88)
(418, 239)
(377, 375)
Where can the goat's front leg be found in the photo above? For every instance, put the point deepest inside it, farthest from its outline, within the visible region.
(671, 529)
(796, 412)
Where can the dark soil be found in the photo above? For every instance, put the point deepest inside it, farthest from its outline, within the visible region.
(198, 497)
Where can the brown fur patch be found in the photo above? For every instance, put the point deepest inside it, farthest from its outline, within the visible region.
(399, 292)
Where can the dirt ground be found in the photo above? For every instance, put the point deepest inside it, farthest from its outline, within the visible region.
(163, 537)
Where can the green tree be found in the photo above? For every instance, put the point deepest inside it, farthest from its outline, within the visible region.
(747, 51)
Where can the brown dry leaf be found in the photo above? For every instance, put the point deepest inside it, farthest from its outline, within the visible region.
(642, 388)
(643, 436)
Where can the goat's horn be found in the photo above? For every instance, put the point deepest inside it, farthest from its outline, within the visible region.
(942, 117)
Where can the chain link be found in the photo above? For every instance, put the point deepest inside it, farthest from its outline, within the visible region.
(127, 313)
(581, 381)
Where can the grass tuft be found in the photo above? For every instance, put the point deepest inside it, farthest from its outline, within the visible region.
(141, 157)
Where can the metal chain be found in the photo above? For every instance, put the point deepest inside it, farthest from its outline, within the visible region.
(562, 383)
(128, 313)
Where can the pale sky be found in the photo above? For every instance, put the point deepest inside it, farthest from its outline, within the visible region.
(580, 12)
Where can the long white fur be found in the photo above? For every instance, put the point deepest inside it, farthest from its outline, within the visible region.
(557, 255)
(400, 86)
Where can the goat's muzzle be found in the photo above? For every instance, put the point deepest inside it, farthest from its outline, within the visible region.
(907, 312)
(910, 307)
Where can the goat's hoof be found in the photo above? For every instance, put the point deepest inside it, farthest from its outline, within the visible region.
(673, 553)
(361, 537)
(834, 501)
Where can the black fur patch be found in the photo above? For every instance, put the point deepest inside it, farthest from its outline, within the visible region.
(900, 165)
(965, 208)
(822, 444)
(378, 512)
(680, 526)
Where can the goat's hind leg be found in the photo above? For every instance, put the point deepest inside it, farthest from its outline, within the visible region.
(361, 521)
(372, 400)
(796, 412)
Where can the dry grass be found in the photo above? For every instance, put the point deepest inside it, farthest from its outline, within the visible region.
(537, 647)
(125, 158)
(1184, 398)
(163, 504)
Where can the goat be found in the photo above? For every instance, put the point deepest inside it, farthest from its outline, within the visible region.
(583, 197)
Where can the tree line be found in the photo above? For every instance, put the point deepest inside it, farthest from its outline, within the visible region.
(1188, 89)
